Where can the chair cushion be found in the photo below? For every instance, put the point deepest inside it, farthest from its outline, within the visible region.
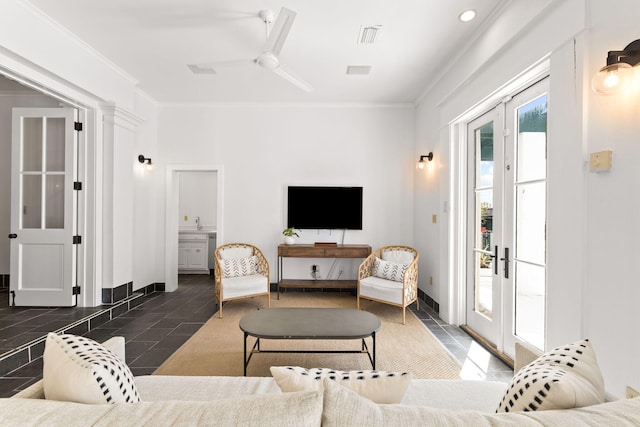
(398, 256)
(78, 369)
(389, 270)
(381, 289)
(236, 252)
(563, 378)
(378, 386)
(233, 287)
(239, 266)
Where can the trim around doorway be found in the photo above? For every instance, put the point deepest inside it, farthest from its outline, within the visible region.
(171, 216)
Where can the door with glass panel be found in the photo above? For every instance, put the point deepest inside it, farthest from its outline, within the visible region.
(484, 235)
(42, 207)
(506, 284)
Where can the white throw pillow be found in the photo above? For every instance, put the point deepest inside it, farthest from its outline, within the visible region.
(239, 267)
(378, 386)
(78, 369)
(389, 270)
(563, 378)
(398, 256)
(236, 252)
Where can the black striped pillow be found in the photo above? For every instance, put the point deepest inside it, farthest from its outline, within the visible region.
(563, 378)
(78, 369)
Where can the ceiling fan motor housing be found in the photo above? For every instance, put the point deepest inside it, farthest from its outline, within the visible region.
(267, 60)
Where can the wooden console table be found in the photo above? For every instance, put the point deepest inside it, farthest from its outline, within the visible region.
(318, 251)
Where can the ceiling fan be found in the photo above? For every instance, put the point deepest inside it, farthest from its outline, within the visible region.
(268, 59)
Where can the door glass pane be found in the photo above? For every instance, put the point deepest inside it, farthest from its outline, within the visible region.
(31, 201)
(55, 144)
(531, 208)
(532, 140)
(32, 144)
(530, 307)
(531, 221)
(55, 202)
(483, 220)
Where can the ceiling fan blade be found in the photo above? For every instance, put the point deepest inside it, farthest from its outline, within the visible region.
(288, 75)
(210, 67)
(279, 31)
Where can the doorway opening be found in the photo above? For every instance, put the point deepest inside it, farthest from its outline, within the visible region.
(173, 215)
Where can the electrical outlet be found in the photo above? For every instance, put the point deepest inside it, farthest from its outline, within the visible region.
(632, 393)
(186, 217)
(434, 218)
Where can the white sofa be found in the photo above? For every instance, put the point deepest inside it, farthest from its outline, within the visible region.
(181, 400)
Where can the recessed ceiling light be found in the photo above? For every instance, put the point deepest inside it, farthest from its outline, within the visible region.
(467, 15)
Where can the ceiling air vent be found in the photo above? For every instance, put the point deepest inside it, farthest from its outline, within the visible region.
(359, 69)
(368, 34)
(196, 69)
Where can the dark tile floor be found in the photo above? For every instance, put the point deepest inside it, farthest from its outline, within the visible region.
(158, 326)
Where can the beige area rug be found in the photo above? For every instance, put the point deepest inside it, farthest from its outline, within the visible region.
(217, 347)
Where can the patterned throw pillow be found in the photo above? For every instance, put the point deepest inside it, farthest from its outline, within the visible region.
(389, 270)
(378, 386)
(239, 267)
(566, 377)
(78, 369)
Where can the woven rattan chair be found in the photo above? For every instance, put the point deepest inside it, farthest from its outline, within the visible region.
(390, 275)
(241, 271)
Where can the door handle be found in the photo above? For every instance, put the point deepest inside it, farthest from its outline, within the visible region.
(495, 257)
(13, 236)
(506, 263)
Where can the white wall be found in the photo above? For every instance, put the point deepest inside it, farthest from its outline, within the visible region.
(45, 55)
(591, 242)
(198, 194)
(613, 205)
(147, 198)
(265, 148)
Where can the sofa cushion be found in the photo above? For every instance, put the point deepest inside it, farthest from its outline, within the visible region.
(343, 407)
(273, 410)
(381, 289)
(78, 369)
(378, 386)
(389, 270)
(244, 285)
(565, 377)
(239, 267)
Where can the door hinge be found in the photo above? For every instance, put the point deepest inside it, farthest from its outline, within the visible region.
(77, 240)
(75, 290)
(77, 126)
(77, 185)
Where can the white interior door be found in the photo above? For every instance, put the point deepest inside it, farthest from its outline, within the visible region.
(42, 207)
(506, 221)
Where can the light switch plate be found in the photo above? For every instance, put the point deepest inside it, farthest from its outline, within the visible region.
(600, 161)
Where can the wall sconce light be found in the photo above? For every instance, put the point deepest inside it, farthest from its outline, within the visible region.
(619, 69)
(421, 162)
(147, 162)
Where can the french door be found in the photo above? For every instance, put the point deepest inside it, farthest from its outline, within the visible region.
(506, 220)
(43, 207)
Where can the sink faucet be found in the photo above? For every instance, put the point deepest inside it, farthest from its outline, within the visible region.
(198, 225)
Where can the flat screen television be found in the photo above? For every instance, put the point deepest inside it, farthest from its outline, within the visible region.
(324, 207)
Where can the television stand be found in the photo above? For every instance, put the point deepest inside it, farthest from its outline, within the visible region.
(319, 251)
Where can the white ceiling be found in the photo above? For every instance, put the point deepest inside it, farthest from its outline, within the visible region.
(153, 40)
